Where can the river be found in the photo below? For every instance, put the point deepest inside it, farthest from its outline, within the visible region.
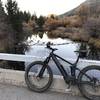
(65, 47)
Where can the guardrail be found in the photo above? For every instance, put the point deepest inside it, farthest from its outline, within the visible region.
(29, 58)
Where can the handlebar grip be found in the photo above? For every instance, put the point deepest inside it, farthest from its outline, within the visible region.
(48, 45)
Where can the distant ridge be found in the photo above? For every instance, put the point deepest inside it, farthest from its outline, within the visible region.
(92, 4)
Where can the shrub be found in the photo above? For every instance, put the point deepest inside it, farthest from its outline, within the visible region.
(92, 26)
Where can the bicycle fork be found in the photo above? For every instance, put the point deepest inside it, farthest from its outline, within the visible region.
(45, 64)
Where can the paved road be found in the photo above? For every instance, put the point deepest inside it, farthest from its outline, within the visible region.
(8, 92)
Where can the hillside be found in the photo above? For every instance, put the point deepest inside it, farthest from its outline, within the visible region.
(92, 4)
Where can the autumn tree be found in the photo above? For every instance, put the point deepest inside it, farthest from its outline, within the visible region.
(92, 27)
(83, 12)
(52, 16)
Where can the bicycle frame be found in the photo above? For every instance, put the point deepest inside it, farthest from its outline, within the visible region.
(61, 68)
(73, 67)
(45, 72)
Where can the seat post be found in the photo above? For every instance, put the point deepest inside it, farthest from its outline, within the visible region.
(77, 59)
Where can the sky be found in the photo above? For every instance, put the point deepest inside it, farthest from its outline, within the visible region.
(46, 7)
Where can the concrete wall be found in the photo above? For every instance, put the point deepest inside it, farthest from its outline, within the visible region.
(17, 78)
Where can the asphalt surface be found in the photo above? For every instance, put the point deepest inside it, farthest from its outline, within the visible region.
(9, 92)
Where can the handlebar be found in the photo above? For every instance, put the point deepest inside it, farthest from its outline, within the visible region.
(49, 47)
(82, 53)
(48, 44)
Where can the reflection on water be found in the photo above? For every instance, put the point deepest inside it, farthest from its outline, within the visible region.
(35, 39)
(65, 47)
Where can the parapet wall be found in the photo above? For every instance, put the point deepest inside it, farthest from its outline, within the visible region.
(17, 78)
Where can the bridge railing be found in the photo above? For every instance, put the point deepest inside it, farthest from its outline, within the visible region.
(17, 77)
(30, 58)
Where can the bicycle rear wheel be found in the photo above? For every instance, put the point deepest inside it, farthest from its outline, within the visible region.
(33, 81)
(89, 82)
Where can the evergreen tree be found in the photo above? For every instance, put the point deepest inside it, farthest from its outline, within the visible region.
(40, 22)
(14, 15)
(34, 17)
(26, 16)
(1, 9)
(15, 19)
(6, 35)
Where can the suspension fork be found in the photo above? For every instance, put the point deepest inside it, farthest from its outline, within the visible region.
(45, 64)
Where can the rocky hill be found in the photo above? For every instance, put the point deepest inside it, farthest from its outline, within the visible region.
(92, 4)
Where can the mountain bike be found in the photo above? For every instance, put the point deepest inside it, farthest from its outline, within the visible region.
(39, 76)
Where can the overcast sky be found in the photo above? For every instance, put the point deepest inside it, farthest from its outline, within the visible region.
(46, 7)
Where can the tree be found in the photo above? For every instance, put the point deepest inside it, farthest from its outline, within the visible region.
(83, 12)
(92, 27)
(26, 16)
(1, 8)
(6, 35)
(53, 16)
(40, 21)
(15, 18)
(34, 17)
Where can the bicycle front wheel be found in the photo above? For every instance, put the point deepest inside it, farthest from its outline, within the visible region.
(33, 81)
(89, 82)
